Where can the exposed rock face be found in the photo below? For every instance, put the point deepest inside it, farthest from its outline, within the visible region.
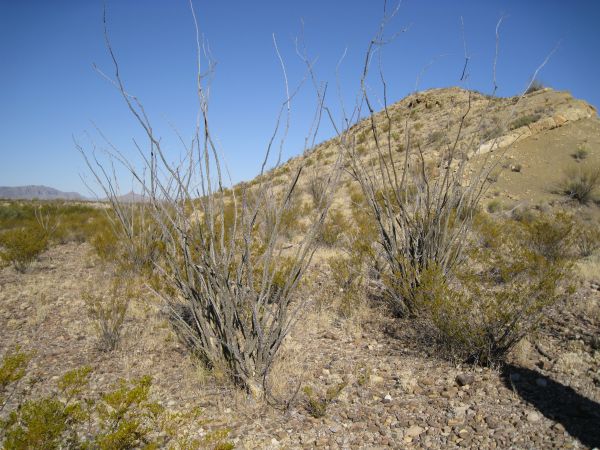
(564, 114)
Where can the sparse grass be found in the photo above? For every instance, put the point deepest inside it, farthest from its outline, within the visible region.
(580, 154)
(580, 183)
(108, 309)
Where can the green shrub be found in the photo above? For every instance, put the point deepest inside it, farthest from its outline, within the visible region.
(122, 418)
(581, 183)
(500, 292)
(494, 206)
(333, 229)
(12, 370)
(22, 246)
(317, 404)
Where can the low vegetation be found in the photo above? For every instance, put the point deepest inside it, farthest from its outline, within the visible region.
(21, 246)
(524, 121)
(581, 183)
(124, 417)
(512, 275)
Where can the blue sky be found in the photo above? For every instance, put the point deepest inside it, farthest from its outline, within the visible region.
(50, 93)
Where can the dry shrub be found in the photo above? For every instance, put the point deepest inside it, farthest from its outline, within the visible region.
(335, 227)
(499, 294)
(216, 272)
(21, 246)
(581, 183)
(587, 239)
(108, 308)
(536, 85)
(351, 269)
(316, 187)
(524, 121)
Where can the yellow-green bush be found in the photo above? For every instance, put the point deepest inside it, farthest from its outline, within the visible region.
(333, 228)
(12, 369)
(122, 418)
(21, 246)
(501, 291)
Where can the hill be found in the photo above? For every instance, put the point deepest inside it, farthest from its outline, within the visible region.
(37, 192)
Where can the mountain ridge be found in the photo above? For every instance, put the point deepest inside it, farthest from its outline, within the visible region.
(39, 192)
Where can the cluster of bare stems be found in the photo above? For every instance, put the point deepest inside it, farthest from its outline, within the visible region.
(423, 217)
(219, 271)
(216, 269)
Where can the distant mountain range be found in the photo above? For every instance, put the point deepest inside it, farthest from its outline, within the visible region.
(48, 193)
(37, 192)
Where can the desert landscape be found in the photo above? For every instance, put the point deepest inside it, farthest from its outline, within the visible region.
(428, 277)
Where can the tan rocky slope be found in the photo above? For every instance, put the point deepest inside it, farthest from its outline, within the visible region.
(533, 137)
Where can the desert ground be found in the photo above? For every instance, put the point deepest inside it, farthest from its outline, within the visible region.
(393, 388)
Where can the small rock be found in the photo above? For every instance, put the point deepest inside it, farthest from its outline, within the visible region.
(413, 431)
(492, 423)
(533, 417)
(387, 399)
(465, 378)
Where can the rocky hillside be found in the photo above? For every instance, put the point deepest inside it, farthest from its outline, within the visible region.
(533, 139)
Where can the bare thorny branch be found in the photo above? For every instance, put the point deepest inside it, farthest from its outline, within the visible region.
(217, 275)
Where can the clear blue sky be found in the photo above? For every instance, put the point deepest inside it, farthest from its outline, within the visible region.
(49, 91)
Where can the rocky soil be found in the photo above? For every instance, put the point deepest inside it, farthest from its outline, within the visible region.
(397, 393)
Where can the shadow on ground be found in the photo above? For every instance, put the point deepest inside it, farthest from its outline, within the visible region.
(578, 414)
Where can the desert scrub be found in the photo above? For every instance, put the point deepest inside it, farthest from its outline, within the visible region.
(580, 183)
(12, 368)
(580, 154)
(494, 206)
(336, 225)
(498, 295)
(587, 238)
(524, 121)
(317, 404)
(107, 308)
(535, 85)
(122, 418)
(21, 246)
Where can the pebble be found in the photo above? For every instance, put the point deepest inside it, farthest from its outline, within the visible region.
(413, 431)
(533, 417)
(387, 399)
(464, 379)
